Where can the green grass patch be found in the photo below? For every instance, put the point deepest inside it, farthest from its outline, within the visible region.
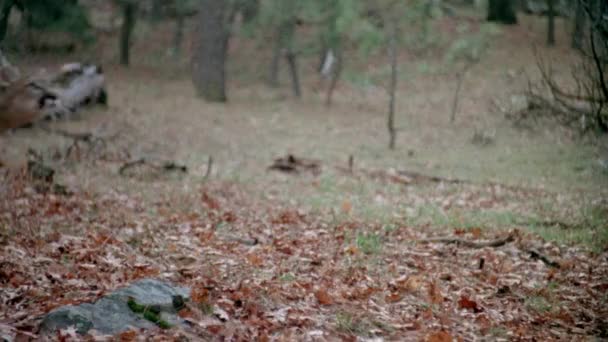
(369, 243)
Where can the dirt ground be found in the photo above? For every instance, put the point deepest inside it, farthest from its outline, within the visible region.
(338, 242)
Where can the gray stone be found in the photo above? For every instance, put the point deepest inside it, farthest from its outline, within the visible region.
(112, 315)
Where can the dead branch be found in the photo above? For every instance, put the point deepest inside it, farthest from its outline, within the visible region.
(167, 166)
(291, 164)
(470, 244)
(537, 256)
(89, 139)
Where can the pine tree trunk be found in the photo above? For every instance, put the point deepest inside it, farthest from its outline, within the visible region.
(551, 22)
(335, 76)
(178, 37)
(128, 24)
(392, 132)
(5, 12)
(284, 42)
(579, 26)
(293, 71)
(273, 77)
(501, 11)
(211, 52)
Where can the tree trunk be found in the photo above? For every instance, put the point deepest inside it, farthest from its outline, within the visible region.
(284, 41)
(293, 71)
(335, 76)
(250, 10)
(5, 12)
(128, 23)
(392, 132)
(501, 11)
(178, 37)
(550, 22)
(211, 52)
(579, 26)
(273, 77)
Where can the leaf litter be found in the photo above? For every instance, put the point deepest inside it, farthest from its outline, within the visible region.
(261, 270)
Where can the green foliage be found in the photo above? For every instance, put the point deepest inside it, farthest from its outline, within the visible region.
(471, 46)
(59, 15)
(369, 243)
(346, 323)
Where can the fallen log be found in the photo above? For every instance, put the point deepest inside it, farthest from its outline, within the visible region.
(78, 85)
(470, 244)
(26, 100)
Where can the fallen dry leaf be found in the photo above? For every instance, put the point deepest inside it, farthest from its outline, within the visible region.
(323, 297)
(465, 303)
(439, 336)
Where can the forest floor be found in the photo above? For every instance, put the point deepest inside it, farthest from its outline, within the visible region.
(337, 253)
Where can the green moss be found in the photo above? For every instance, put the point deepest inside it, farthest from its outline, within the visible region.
(137, 308)
(150, 312)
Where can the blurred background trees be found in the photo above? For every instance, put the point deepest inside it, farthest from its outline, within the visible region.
(336, 32)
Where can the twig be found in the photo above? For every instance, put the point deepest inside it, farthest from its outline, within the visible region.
(129, 165)
(86, 137)
(17, 331)
(166, 166)
(209, 166)
(470, 244)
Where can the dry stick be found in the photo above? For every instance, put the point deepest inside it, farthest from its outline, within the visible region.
(461, 76)
(26, 333)
(209, 165)
(470, 244)
(166, 166)
(537, 256)
(86, 137)
(129, 165)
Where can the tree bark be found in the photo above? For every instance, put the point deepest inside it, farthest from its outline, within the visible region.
(293, 71)
(392, 132)
(284, 42)
(501, 11)
(178, 37)
(128, 23)
(335, 76)
(211, 52)
(579, 26)
(551, 22)
(273, 77)
(5, 12)
(250, 10)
